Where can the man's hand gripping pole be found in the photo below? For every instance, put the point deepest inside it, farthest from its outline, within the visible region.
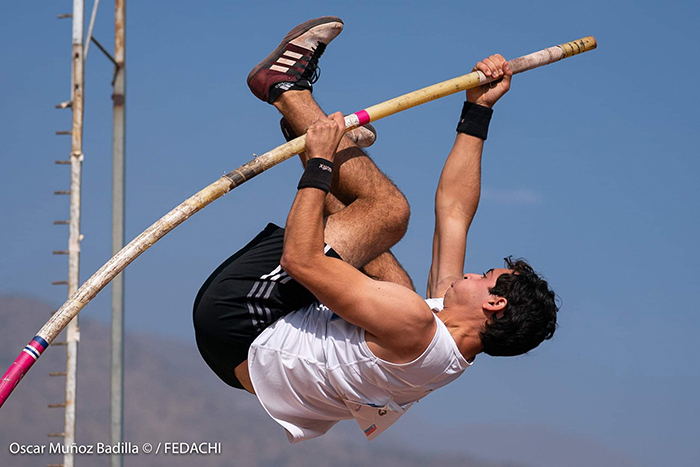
(226, 183)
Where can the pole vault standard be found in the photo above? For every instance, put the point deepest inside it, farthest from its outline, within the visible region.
(231, 180)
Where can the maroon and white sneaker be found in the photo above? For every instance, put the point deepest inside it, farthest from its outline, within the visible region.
(294, 63)
(363, 136)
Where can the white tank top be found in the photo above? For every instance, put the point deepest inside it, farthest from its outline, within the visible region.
(311, 369)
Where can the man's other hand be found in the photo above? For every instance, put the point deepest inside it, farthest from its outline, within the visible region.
(495, 67)
(324, 135)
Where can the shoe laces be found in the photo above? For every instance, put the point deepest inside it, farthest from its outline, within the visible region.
(313, 72)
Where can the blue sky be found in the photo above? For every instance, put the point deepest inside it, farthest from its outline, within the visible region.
(590, 172)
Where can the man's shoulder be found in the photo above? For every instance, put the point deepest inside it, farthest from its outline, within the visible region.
(411, 335)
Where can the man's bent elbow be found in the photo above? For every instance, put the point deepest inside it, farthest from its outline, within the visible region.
(289, 263)
(297, 266)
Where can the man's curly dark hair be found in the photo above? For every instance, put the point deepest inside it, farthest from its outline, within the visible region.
(530, 316)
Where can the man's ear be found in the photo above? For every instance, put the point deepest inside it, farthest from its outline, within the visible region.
(495, 305)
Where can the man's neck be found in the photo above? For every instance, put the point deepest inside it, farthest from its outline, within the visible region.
(464, 331)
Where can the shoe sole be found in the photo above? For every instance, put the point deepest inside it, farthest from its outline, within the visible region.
(293, 34)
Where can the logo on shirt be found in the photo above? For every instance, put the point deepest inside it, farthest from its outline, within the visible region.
(370, 430)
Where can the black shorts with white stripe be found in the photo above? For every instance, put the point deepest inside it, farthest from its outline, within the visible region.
(243, 296)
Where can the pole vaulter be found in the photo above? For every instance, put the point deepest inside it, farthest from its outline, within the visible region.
(229, 181)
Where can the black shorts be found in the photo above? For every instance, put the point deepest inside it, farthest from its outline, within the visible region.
(243, 296)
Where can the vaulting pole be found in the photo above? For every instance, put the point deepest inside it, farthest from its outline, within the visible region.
(231, 180)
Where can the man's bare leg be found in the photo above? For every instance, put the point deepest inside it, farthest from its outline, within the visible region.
(376, 213)
(384, 267)
(367, 214)
(372, 214)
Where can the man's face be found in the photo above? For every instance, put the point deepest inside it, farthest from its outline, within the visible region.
(473, 289)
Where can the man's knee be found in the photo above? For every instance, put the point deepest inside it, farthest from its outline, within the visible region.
(398, 212)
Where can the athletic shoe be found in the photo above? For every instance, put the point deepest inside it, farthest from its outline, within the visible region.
(363, 136)
(294, 63)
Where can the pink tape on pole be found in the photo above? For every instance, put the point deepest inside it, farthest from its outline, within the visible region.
(363, 116)
(14, 375)
(20, 366)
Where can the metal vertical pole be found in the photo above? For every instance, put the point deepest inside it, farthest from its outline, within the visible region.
(118, 143)
(74, 237)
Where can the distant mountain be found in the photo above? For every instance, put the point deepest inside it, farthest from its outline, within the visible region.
(170, 396)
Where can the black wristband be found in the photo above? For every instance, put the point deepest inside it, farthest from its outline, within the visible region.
(475, 120)
(318, 174)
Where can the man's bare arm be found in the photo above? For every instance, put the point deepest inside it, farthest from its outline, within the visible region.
(456, 202)
(399, 319)
(459, 188)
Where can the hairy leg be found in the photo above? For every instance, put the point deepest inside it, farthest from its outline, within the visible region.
(384, 267)
(370, 202)
(376, 213)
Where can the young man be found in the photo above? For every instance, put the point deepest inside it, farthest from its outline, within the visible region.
(319, 320)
